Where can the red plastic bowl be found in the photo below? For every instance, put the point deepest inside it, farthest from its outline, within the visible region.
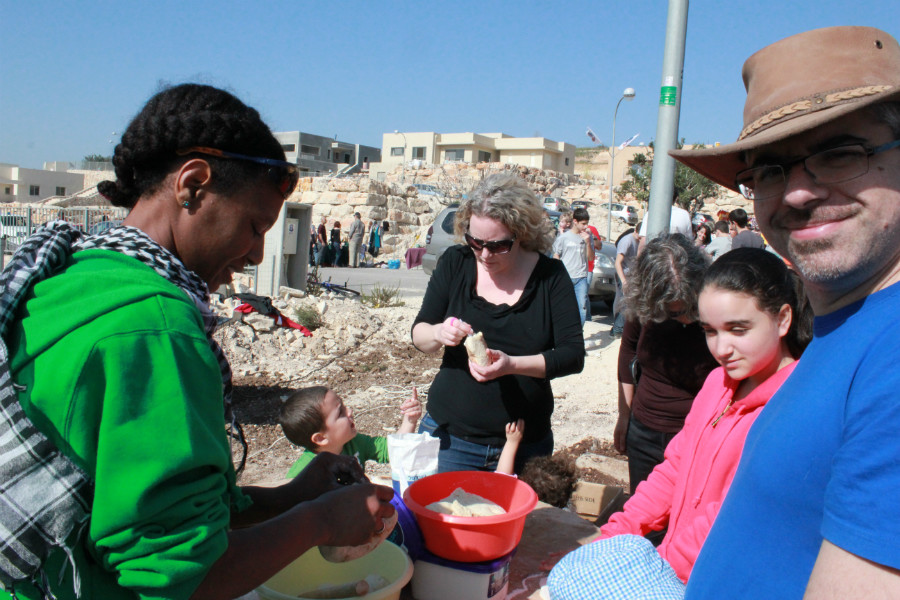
(471, 539)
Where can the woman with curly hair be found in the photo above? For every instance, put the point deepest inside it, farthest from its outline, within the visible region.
(117, 373)
(662, 341)
(502, 285)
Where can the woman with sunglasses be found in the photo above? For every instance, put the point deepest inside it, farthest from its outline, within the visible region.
(502, 285)
(118, 376)
(663, 344)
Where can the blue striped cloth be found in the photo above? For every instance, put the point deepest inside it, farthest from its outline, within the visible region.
(617, 568)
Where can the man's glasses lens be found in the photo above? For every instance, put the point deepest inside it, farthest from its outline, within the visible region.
(496, 247)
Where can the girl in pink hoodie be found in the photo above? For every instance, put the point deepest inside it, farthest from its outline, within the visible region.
(757, 323)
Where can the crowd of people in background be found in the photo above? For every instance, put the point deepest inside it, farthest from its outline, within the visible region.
(334, 248)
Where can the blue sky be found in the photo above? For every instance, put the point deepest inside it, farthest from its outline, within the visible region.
(73, 73)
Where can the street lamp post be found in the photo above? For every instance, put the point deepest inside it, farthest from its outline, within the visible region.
(403, 161)
(628, 94)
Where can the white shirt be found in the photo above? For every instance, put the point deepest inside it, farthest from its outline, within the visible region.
(679, 222)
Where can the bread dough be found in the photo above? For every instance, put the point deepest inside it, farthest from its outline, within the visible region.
(477, 349)
(344, 553)
(463, 504)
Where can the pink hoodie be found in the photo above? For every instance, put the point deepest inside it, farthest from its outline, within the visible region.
(687, 489)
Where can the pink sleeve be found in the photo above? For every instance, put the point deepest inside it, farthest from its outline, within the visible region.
(648, 509)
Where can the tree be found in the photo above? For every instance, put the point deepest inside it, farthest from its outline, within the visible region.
(97, 158)
(692, 188)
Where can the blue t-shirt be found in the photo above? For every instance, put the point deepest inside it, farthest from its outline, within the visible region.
(821, 461)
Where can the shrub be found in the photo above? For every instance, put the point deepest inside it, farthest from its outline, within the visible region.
(383, 297)
(309, 317)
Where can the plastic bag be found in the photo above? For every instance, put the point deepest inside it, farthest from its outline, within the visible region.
(413, 456)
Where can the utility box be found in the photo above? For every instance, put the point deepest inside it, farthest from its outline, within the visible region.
(291, 231)
(286, 257)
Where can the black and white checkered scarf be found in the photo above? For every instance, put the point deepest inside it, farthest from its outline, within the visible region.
(44, 496)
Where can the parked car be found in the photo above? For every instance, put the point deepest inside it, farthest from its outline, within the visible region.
(581, 204)
(552, 203)
(427, 189)
(624, 212)
(103, 226)
(440, 237)
(15, 228)
(699, 218)
(603, 284)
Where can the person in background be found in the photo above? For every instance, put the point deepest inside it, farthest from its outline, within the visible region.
(721, 241)
(355, 236)
(322, 241)
(131, 389)
(668, 345)
(757, 323)
(813, 504)
(679, 221)
(703, 235)
(317, 420)
(742, 235)
(597, 242)
(575, 248)
(626, 249)
(502, 285)
(374, 238)
(336, 244)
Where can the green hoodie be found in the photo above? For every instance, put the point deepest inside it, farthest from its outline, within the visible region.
(118, 373)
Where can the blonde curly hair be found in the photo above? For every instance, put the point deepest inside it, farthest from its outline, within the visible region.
(506, 198)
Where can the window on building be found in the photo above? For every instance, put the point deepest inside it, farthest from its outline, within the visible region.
(418, 152)
(396, 151)
(314, 150)
(346, 158)
(60, 191)
(457, 154)
(567, 161)
(34, 190)
(329, 155)
(289, 147)
(484, 156)
(8, 190)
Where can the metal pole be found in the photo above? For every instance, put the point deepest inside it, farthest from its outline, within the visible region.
(403, 160)
(662, 184)
(628, 94)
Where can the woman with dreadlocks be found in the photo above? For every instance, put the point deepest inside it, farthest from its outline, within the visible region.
(123, 389)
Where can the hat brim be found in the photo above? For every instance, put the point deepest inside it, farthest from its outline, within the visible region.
(722, 163)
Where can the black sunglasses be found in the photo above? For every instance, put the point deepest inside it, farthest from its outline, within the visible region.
(282, 174)
(495, 247)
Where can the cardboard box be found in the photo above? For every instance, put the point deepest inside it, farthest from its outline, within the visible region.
(596, 502)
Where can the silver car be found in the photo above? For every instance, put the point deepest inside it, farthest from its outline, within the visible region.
(603, 284)
(440, 237)
(624, 212)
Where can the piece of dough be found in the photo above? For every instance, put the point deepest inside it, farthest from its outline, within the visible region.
(339, 554)
(372, 583)
(477, 349)
(463, 504)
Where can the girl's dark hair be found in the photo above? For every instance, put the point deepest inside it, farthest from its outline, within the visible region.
(301, 416)
(669, 269)
(553, 478)
(183, 117)
(763, 276)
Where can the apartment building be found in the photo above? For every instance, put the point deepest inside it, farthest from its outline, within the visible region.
(33, 185)
(320, 154)
(438, 148)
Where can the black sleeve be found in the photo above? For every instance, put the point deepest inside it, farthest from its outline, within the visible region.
(567, 355)
(628, 350)
(437, 293)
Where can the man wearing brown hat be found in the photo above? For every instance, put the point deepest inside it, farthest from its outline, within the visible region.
(814, 505)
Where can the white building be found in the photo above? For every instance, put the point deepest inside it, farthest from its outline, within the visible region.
(439, 148)
(33, 185)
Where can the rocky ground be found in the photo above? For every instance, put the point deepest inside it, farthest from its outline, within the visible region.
(366, 356)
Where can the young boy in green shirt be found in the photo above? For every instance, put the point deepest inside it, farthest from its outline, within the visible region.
(316, 419)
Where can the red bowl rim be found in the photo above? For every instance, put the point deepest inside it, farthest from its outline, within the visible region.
(511, 515)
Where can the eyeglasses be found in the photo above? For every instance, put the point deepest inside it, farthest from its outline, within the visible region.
(834, 165)
(282, 174)
(495, 247)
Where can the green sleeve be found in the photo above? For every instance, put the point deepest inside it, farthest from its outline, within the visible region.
(301, 463)
(365, 447)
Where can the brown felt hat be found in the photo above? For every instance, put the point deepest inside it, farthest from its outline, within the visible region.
(800, 83)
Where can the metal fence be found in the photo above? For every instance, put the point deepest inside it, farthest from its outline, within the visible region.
(17, 223)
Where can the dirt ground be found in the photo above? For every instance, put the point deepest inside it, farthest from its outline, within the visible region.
(365, 355)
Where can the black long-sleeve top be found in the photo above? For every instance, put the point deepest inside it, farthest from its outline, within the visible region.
(543, 321)
(674, 361)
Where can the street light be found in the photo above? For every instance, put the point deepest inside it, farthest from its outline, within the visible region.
(628, 94)
(403, 160)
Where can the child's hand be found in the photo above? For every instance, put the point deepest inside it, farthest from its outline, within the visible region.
(412, 412)
(515, 431)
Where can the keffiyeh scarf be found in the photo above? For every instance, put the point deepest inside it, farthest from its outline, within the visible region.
(44, 496)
